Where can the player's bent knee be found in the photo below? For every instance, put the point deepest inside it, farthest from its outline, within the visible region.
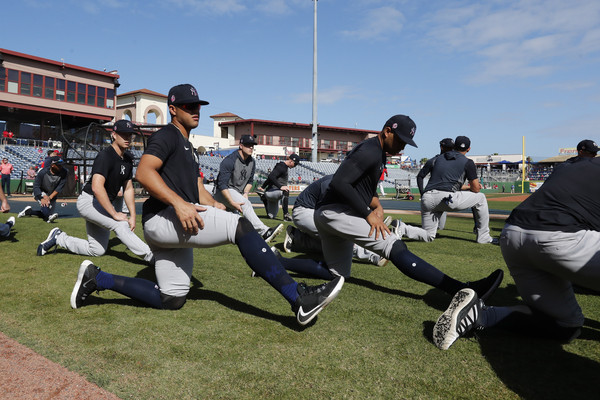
(172, 302)
(398, 247)
(243, 227)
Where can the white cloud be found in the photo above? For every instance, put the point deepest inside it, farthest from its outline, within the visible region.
(378, 23)
(210, 6)
(518, 38)
(329, 96)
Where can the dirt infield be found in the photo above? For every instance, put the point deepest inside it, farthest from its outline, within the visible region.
(27, 375)
(520, 197)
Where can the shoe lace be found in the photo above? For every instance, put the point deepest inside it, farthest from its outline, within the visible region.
(312, 289)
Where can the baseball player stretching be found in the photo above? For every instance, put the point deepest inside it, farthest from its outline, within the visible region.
(112, 170)
(350, 212)
(49, 182)
(275, 188)
(446, 191)
(175, 223)
(304, 238)
(234, 182)
(446, 145)
(550, 242)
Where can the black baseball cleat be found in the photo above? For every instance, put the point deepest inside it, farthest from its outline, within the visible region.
(461, 317)
(85, 285)
(289, 238)
(312, 299)
(49, 243)
(272, 233)
(287, 217)
(485, 287)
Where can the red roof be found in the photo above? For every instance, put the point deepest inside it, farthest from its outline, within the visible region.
(58, 63)
(295, 124)
(225, 114)
(144, 91)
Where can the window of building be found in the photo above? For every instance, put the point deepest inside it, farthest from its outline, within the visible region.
(38, 85)
(326, 144)
(284, 141)
(224, 132)
(91, 95)
(71, 91)
(49, 88)
(295, 142)
(268, 140)
(81, 93)
(13, 81)
(110, 98)
(25, 83)
(3, 73)
(342, 145)
(100, 96)
(60, 89)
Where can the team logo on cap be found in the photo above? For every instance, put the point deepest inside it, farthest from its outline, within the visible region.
(395, 125)
(172, 98)
(412, 132)
(193, 91)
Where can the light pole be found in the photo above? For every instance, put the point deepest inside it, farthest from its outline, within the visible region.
(315, 136)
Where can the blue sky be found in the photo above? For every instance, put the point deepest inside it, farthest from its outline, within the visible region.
(494, 71)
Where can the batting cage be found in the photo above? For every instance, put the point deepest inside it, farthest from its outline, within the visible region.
(80, 148)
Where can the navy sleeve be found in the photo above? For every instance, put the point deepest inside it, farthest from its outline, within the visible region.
(346, 177)
(471, 170)
(225, 170)
(62, 182)
(423, 173)
(159, 145)
(37, 184)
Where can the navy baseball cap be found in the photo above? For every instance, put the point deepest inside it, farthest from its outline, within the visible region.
(295, 158)
(588, 145)
(184, 94)
(447, 142)
(124, 126)
(248, 139)
(403, 127)
(462, 143)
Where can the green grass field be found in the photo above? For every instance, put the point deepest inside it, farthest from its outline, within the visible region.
(236, 337)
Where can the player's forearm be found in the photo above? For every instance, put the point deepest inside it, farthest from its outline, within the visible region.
(129, 198)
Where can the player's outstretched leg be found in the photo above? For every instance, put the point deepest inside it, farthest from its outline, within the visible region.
(90, 278)
(306, 301)
(49, 243)
(420, 270)
(461, 317)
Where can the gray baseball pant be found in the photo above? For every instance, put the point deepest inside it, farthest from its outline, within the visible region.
(339, 229)
(273, 197)
(98, 225)
(309, 241)
(173, 248)
(544, 265)
(435, 202)
(247, 209)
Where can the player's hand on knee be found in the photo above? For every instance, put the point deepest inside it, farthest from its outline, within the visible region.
(120, 217)
(189, 217)
(131, 222)
(377, 226)
(238, 206)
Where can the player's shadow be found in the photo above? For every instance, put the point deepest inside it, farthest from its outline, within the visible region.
(541, 369)
(532, 368)
(198, 293)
